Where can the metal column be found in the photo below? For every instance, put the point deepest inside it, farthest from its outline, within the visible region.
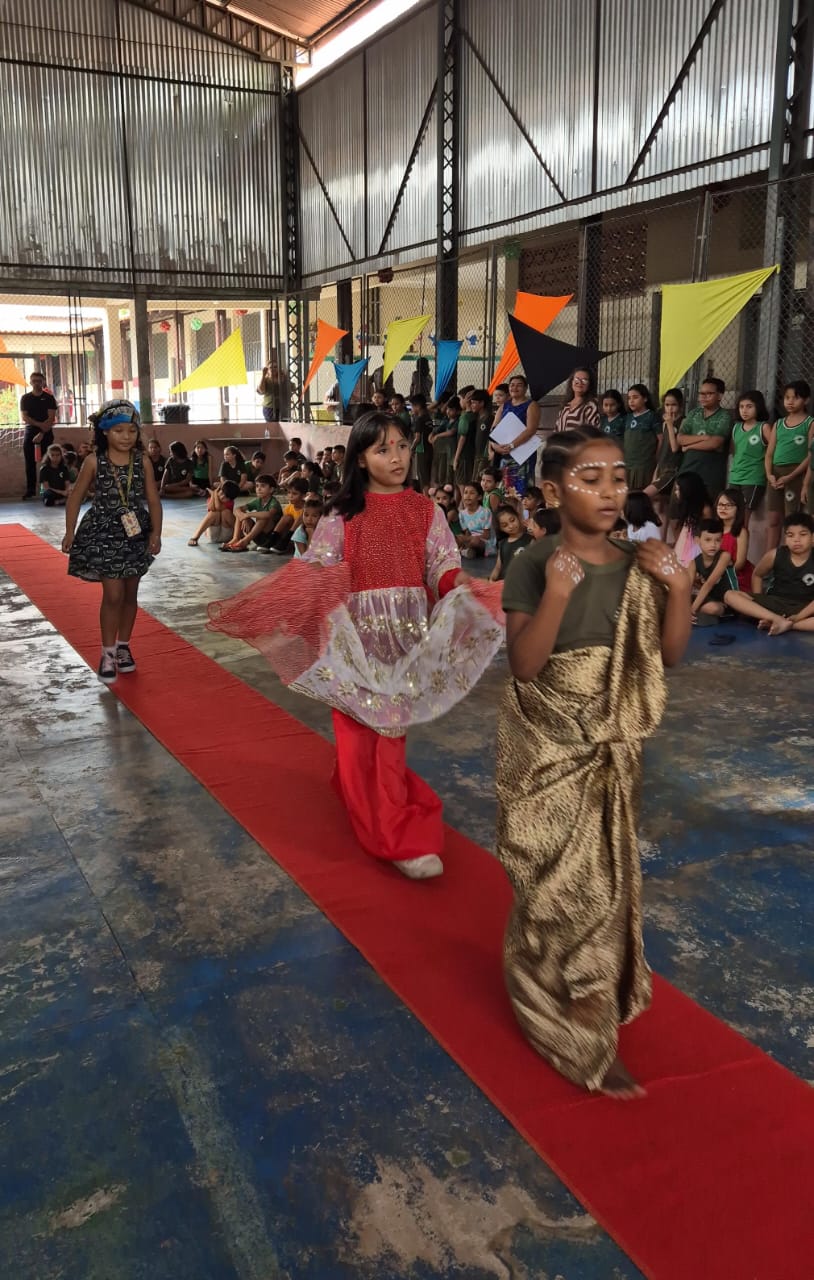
(344, 318)
(446, 272)
(589, 290)
(776, 241)
(143, 356)
(296, 334)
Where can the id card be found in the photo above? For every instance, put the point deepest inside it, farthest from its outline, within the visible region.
(130, 524)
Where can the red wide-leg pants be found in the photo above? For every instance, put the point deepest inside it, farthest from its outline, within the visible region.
(394, 813)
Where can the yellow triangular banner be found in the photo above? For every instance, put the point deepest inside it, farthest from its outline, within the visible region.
(692, 316)
(226, 367)
(400, 336)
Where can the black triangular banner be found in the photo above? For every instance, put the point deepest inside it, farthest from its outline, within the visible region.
(546, 361)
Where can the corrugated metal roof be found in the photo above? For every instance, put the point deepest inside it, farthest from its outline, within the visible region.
(304, 19)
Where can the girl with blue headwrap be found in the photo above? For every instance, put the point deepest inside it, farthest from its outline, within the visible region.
(120, 534)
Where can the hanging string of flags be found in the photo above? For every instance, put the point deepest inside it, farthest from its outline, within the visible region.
(692, 317)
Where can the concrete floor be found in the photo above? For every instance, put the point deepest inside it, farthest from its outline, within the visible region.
(199, 1077)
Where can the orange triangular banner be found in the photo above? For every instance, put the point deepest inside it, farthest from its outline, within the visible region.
(8, 369)
(327, 337)
(537, 312)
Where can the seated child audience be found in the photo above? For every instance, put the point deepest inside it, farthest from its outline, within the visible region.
(788, 604)
(219, 512)
(544, 523)
(530, 501)
(478, 538)
(72, 463)
(257, 466)
(338, 459)
(731, 511)
(176, 482)
(712, 572)
(236, 469)
(311, 472)
(156, 458)
(642, 521)
(201, 468)
(55, 483)
(515, 540)
(289, 469)
(256, 521)
(279, 540)
(311, 514)
(691, 506)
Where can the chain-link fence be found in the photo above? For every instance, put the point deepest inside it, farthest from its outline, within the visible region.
(615, 268)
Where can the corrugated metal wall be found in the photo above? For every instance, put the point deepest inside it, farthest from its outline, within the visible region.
(359, 123)
(136, 151)
(541, 56)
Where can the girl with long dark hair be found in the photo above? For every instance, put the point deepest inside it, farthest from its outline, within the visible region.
(378, 621)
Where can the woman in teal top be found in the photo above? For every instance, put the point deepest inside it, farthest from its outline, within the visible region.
(642, 437)
(750, 437)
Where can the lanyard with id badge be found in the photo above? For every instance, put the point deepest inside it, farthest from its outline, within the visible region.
(130, 521)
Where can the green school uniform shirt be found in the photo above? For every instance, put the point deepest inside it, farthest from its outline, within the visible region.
(268, 505)
(590, 616)
(448, 444)
(466, 429)
(709, 465)
(749, 457)
(791, 444)
(641, 438)
(614, 427)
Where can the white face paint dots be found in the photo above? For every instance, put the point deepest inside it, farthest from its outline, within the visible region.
(580, 468)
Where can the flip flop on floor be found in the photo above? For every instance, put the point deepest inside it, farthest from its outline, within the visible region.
(193, 542)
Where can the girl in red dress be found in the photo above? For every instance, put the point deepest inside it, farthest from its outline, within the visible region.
(378, 620)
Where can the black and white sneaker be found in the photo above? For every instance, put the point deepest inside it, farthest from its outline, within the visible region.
(107, 669)
(124, 658)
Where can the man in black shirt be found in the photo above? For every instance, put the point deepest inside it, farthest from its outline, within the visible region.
(38, 410)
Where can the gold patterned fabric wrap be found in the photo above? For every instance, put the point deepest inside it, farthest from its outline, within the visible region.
(568, 789)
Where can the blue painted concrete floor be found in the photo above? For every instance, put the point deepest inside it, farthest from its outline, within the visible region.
(200, 1078)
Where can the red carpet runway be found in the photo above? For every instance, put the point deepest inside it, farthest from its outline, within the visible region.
(711, 1177)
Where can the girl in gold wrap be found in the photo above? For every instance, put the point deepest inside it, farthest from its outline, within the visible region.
(591, 623)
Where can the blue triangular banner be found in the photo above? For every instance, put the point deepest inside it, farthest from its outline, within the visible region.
(347, 376)
(447, 351)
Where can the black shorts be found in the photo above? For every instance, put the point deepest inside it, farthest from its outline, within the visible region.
(752, 494)
(777, 604)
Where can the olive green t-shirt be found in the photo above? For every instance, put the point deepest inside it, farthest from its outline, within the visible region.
(590, 616)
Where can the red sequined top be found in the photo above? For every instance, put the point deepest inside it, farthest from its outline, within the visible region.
(385, 545)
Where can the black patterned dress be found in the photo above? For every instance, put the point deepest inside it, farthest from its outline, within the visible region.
(101, 548)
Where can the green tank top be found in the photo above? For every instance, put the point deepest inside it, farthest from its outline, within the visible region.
(791, 445)
(748, 463)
